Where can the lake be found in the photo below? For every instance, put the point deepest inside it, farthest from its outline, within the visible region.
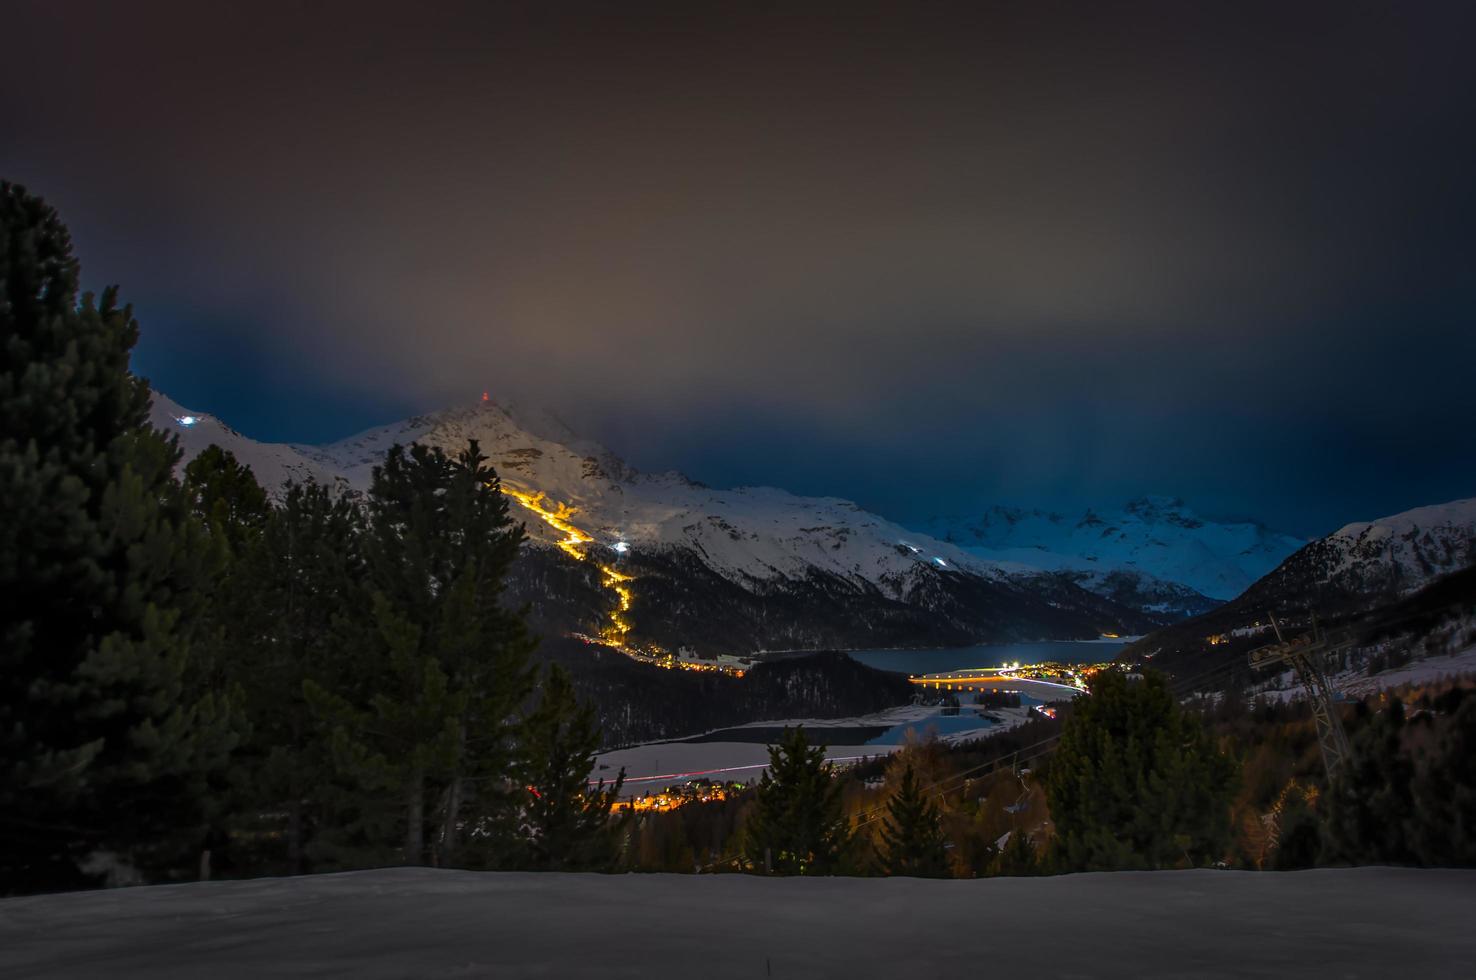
(989, 655)
(945, 721)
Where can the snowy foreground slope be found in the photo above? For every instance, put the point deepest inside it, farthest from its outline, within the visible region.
(726, 560)
(1371, 922)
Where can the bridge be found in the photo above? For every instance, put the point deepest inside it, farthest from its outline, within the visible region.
(995, 680)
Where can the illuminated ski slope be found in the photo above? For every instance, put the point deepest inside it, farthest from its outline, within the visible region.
(575, 544)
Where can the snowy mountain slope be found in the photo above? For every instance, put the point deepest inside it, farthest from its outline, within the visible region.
(273, 464)
(1403, 552)
(748, 532)
(739, 569)
(1139, 590)
(1375, 561)
(1157, 537)
(1356, 573)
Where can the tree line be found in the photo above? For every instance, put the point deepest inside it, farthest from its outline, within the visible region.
(196, 678)
(1129, 780)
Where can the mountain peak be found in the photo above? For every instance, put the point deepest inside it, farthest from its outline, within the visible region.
(1150, 506)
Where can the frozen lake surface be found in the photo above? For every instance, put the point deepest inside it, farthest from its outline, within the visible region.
(1366, 922)
(741, 754)
(991, 655)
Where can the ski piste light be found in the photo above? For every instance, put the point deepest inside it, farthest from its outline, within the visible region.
(187, 420)
(621, 546)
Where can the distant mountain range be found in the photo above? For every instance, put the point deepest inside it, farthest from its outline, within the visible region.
(1154, 553)
(737, 570)
(1352, 575)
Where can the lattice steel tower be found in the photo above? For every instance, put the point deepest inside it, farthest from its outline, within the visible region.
(1307, 655)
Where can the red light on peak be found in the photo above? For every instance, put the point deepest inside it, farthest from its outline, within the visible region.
(486, 397)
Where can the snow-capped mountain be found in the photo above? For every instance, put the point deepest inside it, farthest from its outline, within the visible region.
(1346, 576)
(1156, 541)
(1376, 561)
(273, 464)
(740, 569)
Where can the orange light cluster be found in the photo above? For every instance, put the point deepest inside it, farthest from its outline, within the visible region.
(557, 518)
(574, 544)
(669, 800)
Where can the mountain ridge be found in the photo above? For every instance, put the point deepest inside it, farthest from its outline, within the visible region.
(1359, 569)
(1158, 539)
(721, 563)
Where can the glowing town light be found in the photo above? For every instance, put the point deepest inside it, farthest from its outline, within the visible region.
(621, 546)
(187, 420)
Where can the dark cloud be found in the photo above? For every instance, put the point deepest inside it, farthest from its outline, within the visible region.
(920, 255)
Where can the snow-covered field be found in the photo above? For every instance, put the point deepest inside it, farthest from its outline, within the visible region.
(1369, 922)
(1356, 682)
(1426, 671)
(656, 765)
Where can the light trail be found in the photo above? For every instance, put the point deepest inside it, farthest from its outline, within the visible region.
(574, 545)
(617, 627)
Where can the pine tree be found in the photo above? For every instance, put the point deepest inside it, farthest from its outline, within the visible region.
(566, 825)
(295, 593)
(230, 505)
(225, 496)
(1018, 856)
(443, 665)
(1136, 782)
(1445, 793)
(102, 747)
(1370, 802)
(798, 825)
(912, 841)
(1298, 831)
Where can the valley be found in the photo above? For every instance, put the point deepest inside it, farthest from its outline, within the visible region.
(668, 574)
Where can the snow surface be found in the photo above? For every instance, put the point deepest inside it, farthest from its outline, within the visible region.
(1158, 537)
(414, 922)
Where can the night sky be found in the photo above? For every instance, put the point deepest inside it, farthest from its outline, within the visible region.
(925, 256)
